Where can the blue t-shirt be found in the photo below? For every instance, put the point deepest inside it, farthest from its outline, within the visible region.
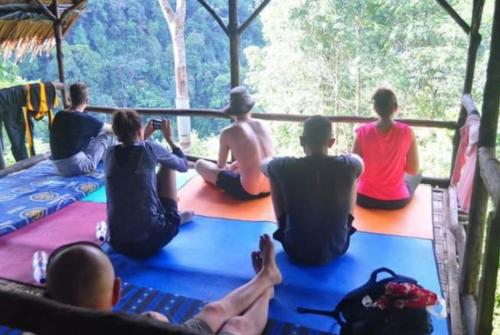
(71, 133)
(135, 211)
(317, 198)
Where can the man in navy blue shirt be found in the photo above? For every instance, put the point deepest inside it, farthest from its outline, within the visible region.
(313, 196)
(78, 140)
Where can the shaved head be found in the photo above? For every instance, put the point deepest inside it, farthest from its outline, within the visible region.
(82, 275)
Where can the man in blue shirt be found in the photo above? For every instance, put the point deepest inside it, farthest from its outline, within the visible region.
(142, 203)
(78, 140)
(313, 196)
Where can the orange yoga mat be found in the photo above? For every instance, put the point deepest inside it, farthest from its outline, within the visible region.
(415, 220)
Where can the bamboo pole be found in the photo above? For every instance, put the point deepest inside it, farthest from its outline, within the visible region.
(487, 138)
(454, 15)
(474, 42)
(234, 43)
(59, 50)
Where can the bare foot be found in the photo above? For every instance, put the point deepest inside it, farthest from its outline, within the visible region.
(257, 261)
(257, 267)
(268, 253)
(186, 216)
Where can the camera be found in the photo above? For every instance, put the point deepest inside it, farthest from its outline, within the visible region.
(156, 124)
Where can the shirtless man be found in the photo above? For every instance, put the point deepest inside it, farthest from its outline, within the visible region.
(81, 274)
(249, 142)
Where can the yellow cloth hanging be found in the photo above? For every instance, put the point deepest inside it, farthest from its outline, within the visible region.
(43, 108)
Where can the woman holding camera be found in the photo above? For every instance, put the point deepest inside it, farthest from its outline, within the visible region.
(142, 203)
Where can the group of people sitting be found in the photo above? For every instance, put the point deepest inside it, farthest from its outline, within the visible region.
(313, 196)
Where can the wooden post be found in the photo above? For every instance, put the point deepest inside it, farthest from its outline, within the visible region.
(234, 31)
(474, 42)
(59, 51)
(234, 43)
(487, 138)
(469, 274)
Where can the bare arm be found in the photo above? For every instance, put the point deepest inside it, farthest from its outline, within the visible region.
(357, 148)
(412, 161)
(107, 128)
(223, 152)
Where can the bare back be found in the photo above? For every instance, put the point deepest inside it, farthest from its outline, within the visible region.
(250, 143)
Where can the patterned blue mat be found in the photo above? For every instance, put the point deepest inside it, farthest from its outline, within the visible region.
(36, 192)
(178, 309)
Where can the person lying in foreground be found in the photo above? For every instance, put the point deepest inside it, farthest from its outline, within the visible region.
(249, 142)
(81, 274)
(389, 150)
(142, 203)
(313, 196)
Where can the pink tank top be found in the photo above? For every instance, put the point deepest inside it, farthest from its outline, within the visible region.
(384, 155)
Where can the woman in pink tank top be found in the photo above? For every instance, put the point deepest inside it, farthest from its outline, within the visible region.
(389, 150)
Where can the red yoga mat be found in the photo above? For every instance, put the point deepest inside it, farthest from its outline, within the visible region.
(76, 222)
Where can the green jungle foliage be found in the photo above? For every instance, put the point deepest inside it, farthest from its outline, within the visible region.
(300, 56)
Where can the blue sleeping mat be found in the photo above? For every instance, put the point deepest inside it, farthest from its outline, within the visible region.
(180, 178)
(211, 256)
(178, 309)
(36, 192)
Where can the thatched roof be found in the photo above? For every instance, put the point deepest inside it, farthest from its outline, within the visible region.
(25, 28)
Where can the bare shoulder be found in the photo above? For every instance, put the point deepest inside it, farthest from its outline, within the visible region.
(231, 130)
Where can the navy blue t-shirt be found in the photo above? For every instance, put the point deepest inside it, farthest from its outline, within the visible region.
(71, 132)
(317, 194)
(135, 211)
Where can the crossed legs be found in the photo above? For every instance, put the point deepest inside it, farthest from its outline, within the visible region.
(207, 170)
(244, 310)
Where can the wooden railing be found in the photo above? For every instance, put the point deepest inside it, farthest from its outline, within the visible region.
(215, 113)
(43, 316)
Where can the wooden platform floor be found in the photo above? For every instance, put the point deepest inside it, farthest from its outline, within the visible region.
(445, 250)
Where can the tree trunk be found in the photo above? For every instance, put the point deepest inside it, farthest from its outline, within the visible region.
(176, 22)
(358, 66)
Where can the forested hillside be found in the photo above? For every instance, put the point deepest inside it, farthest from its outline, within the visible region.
(300, 56)
(122, 49)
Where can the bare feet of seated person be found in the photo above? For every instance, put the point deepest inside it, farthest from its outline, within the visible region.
(186, 216)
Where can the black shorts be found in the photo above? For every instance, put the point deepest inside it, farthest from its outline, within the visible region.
(297, 252)
(157, 239)
(230, 182)
(372, 203)
(412, 183)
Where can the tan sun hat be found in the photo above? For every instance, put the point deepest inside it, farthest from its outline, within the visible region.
(240, 101)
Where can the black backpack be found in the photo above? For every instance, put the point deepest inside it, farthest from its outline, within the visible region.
(356, 319)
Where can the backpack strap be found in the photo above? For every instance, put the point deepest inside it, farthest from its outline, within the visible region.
(374, 275)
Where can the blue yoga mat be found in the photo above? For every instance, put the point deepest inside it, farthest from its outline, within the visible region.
(34, 193)
(179, 309)
(100, 194)
(211, 256)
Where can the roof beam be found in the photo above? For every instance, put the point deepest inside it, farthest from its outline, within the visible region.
(214, 15)
(45, 10)
(253, 16)
(71, 9)
(455, 16)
